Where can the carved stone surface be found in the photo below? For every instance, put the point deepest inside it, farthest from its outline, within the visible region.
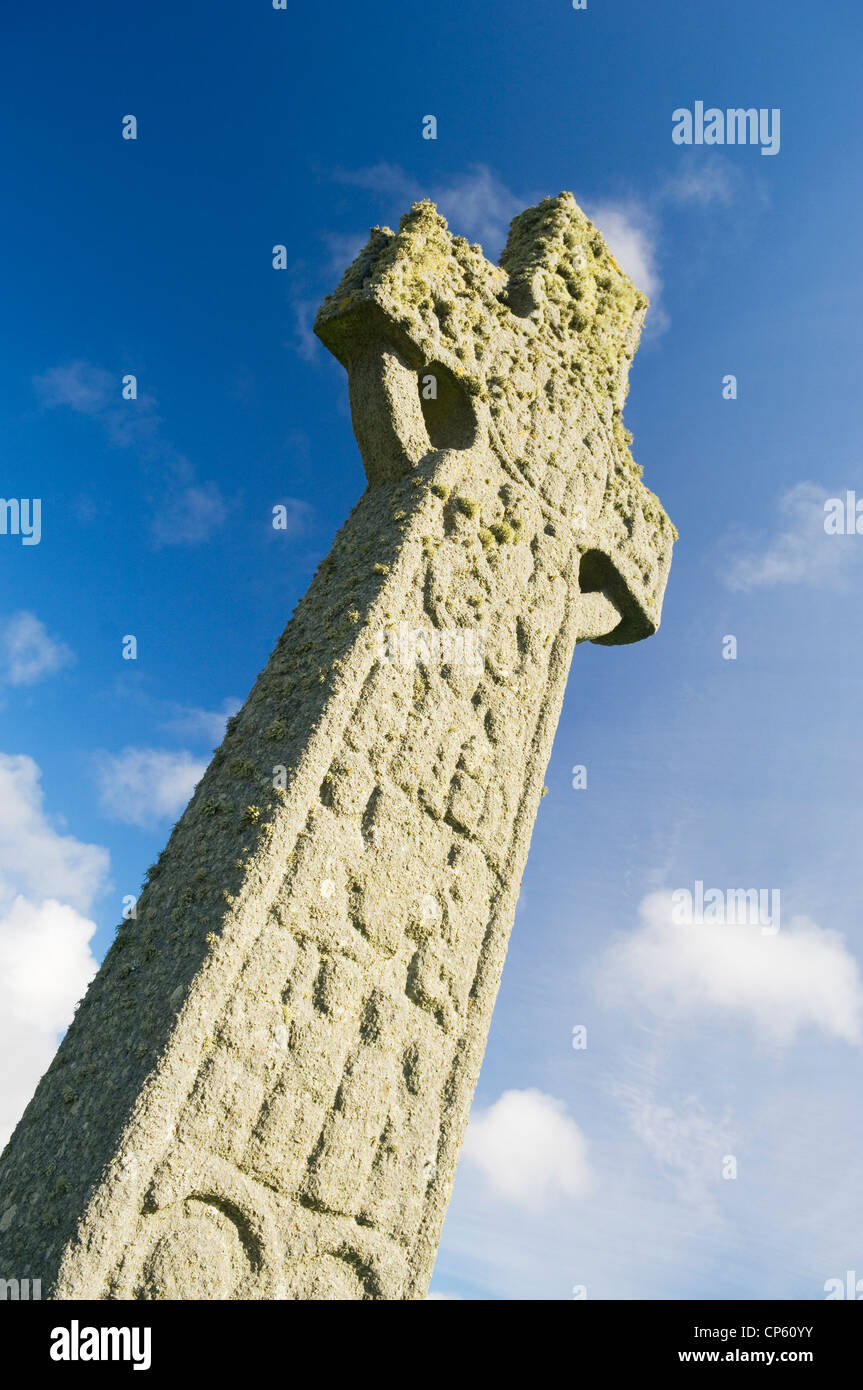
(264, 1092)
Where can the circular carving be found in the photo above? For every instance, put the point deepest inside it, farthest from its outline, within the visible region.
(201, 1255)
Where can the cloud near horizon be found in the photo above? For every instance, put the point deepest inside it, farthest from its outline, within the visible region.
(528, 1149)
(202, 724)
(142, 786)
(48, 882)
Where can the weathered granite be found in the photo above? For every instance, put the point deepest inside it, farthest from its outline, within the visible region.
(264, 1092)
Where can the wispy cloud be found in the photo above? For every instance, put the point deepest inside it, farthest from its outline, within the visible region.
(189, 511)
(87, 389)
(703, 181)
(206, 725)
(344, 248)
(304, 343)
(798, 549)
(478, 205)
(93, 391)
(296, 519)
(28, 652)
(189, 515)
(142, 786)
(685, 1142)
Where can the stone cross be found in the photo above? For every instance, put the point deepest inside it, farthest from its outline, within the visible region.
(264, 1092)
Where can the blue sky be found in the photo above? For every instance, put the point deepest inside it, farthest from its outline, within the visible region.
(153, 257)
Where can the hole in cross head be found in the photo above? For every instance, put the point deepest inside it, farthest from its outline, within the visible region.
(596, 573)
(447, 408)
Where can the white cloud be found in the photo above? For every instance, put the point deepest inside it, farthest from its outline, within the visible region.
(48, 882)
(203, 724)
(140, 786)
(800, 550)
(34, 859)
(804, 976)
(529, 1149)
(33, 936)
(27, 652)
(45, 966)
(630, 230)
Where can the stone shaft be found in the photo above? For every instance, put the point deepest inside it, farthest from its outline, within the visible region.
(264, 1092)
